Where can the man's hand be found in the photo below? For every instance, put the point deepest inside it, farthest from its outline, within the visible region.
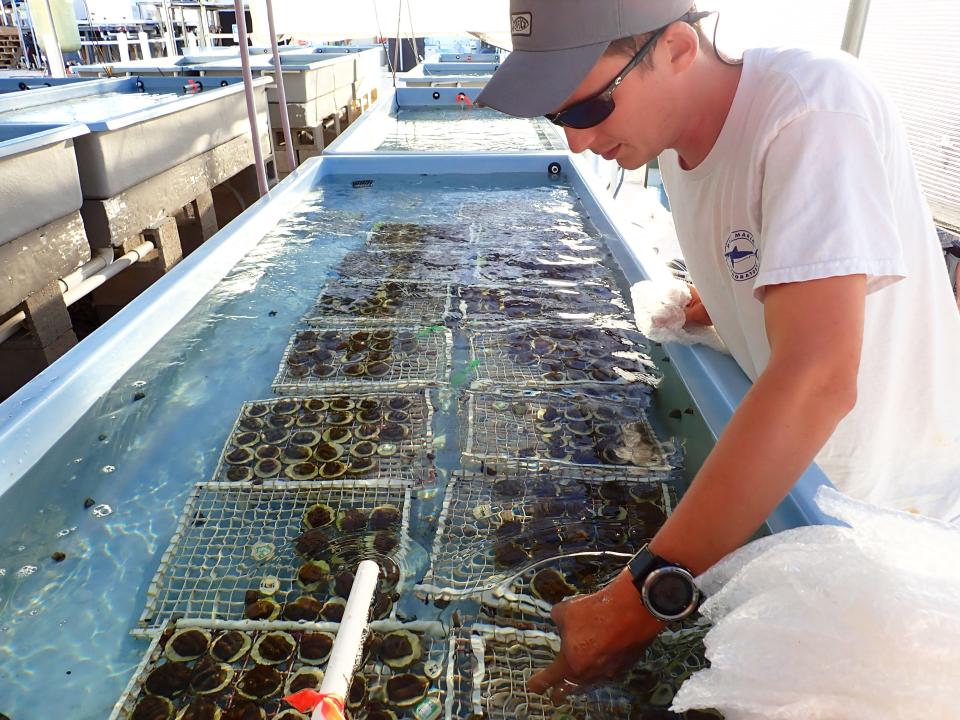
(603, 634)
(695, 311)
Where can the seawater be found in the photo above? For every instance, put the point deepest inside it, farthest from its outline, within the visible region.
(65, 647)
(89, 108)
(467, 129)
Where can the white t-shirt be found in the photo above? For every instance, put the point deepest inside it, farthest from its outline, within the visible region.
(811, 177)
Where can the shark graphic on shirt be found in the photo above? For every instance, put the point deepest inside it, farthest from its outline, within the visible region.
(736, 255)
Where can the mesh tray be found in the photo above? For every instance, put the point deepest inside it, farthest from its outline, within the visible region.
(545, 356)
(381, 302)
(556, 429)
(546, 212)
(321, 359)
(401, 459)
(435, 654)
(513, 515)
(535, 239)
(388, 235)
(517, 604)
(229, 539)
(535, 266)
(586, 302)
(494, 664)
(447, 263)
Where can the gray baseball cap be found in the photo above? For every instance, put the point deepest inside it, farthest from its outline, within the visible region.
(557, 42)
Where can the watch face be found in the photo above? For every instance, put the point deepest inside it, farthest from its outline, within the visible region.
(671, 592)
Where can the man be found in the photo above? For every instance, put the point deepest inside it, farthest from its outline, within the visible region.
(806, 235)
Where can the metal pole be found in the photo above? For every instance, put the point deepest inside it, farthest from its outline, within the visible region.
(281, 92)
(203, 26)
(19, 22)
(853, 31)
(169, 34)
(248, 93)
(55, 64)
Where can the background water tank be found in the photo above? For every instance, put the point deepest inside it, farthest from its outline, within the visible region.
(64, 18)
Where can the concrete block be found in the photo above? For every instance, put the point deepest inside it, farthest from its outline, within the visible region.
(47, 318)
(206, 214)
(21, 359)
(34, 260)
(166, 241)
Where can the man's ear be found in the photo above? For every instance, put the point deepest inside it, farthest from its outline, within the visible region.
(678, 47)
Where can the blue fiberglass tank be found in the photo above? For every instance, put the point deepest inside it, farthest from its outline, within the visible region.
(443, 120)
(103, 452)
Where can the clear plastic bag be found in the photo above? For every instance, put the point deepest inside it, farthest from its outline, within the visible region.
(835, 623)
(658, 307)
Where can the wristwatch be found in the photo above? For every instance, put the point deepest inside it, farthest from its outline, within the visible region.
(668, 590)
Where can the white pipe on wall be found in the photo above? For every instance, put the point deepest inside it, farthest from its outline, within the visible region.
(103, 257)
(84, 281)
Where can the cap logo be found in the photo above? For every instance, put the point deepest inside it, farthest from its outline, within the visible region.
(521, 23)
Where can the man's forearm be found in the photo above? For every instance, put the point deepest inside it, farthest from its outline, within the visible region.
(773, 436)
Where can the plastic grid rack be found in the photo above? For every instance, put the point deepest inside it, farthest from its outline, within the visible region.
(380, 302)
(497, 266)
(407, 358)
(546, 213)
(494, 664)
(230, 540)
(436, 263)
(587, 302)
(328, 422)
(515, 604)
(534, 238)
(388, 235)
(436, 656)
(493, 527)
(555, 429)
(551, 356)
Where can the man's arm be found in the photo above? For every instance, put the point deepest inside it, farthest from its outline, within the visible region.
(815, 331)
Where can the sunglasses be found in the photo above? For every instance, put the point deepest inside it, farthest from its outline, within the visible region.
(594, 110)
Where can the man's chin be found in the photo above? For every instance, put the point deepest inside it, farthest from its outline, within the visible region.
(629, 163)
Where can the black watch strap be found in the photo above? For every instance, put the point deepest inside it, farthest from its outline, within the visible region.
(644, 563)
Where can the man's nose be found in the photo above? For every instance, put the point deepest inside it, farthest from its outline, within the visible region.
(579, 140)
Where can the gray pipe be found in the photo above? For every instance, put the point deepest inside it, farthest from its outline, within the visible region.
(281, 91)
(857, 13)
(248, 93)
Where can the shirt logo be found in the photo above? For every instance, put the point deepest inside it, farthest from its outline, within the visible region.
(740, 252)
(521, 23)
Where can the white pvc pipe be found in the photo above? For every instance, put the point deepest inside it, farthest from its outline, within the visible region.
(346, 648)
(98, 279)
(281, 91)
(248, 94)
(85, 286)
(103, 258)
